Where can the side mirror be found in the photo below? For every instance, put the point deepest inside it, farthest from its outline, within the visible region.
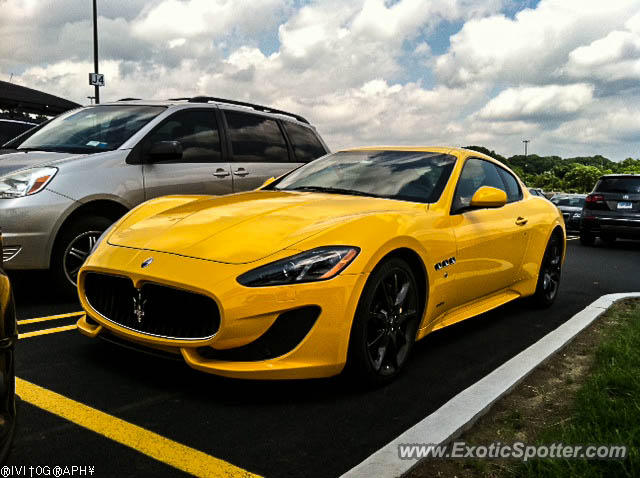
(488, 197)
(165, 151)
(267, 182)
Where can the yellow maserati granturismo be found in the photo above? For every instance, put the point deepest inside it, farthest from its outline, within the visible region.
(342, 263)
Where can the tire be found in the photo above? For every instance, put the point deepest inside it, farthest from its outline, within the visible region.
(587, 239)
(380, 341)
(550, 273)
(72, 247)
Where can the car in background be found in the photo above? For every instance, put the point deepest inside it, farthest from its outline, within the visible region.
(68, 180)
(326, 267)
(612, 210)
(10, 128)
(8, 338)
(537, 192)
(571, 208)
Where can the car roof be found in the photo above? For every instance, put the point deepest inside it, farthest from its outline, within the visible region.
(197, 101)
(621, 175)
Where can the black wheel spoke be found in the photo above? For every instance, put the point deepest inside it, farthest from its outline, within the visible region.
(402, 294)
(391, 320)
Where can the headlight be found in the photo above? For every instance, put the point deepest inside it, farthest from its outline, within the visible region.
(317, 264)
(25, 183)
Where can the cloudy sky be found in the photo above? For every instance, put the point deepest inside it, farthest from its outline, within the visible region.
(564, 74)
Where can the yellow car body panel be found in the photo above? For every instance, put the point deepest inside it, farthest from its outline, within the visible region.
(202, 244)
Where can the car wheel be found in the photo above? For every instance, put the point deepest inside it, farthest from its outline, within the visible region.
(550, 273)
(385, 323)
(608, 239)
(73, 247)
(587, 239)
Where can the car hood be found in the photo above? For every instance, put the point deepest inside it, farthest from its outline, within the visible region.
(10, 162)
(244, 227)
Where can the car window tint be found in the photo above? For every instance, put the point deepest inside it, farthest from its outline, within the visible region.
(306, 145)
(514, 193)
(475, 174)
(10, 129)
(197, 132)
(620, 184)
(255, 138)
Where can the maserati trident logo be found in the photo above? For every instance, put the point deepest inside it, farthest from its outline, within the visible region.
(147, 262)
(138, 306)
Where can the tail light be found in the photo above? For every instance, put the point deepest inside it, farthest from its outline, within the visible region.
(595, 198)
(595, 201)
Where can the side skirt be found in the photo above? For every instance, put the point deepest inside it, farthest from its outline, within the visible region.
(469, 310)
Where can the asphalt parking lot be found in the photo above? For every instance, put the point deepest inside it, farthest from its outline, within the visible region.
(310, 428)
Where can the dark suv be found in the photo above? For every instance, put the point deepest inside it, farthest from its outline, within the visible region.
(612, 210)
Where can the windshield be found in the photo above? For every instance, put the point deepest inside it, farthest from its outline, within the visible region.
(570, 202)
(626, 185)
(405, 175)
(91, 129)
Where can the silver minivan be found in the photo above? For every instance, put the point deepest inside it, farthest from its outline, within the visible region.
(63, 183)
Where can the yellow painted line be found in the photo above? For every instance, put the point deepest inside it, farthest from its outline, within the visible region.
(144, 441)
(52, 330)
(50, 317)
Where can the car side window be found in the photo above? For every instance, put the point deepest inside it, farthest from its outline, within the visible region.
(306, 145)
(514, 193)
(475, 174)
(255, 138)
(197, 132)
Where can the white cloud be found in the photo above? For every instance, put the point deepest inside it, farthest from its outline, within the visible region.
(538, 102)
(533, 46)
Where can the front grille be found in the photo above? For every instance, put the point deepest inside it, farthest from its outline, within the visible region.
(153, 309)
(9, 252)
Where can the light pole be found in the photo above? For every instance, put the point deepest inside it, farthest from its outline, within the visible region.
(525, 141)
(95, 48)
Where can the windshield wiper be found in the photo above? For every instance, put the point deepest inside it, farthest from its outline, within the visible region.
(330, 190)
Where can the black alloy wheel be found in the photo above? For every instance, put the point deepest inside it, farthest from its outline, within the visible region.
(73, 246)
(385, 324)
(77, 252)
(550, 272)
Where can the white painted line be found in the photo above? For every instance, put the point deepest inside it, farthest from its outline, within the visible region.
(464, 409)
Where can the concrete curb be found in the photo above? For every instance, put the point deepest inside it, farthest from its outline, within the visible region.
(459, 413)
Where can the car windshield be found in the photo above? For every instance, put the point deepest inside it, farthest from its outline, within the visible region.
(406, 175)
(91, 129)
(625, 185)
(571, 202)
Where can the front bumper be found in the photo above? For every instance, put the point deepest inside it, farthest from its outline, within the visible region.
(28, 227)
(246, 313)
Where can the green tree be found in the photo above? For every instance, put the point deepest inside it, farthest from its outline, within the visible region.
(582, 178)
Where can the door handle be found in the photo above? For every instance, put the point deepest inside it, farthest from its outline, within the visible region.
(241, 172)
(221, 173)
(521, 221)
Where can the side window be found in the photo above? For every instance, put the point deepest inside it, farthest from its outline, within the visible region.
(306, 145)
(475, 174)
(514, 193)
(196, 130)
(255, 139)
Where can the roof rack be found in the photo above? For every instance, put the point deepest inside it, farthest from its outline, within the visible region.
(265, 109)
(129, 99)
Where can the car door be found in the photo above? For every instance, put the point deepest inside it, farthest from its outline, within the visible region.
(258, 149)
(490, 243)
(202, 168)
